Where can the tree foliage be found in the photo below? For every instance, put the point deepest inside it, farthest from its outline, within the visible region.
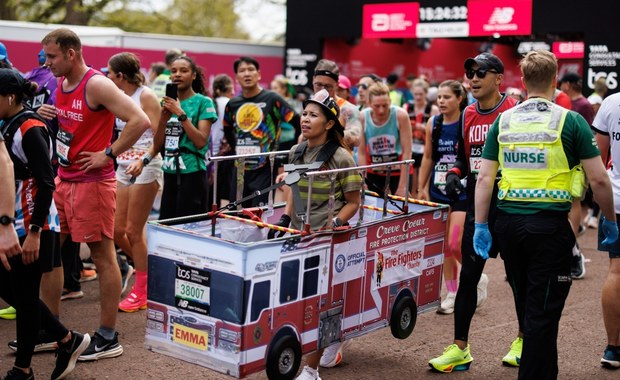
(205, 18)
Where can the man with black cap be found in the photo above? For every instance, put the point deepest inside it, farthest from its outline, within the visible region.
(485, 73)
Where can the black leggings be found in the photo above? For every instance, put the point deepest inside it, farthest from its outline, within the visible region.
(19, 287)
(467, 295)
(189, 197)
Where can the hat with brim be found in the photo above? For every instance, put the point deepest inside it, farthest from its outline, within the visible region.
(329, 106)
(486, 61)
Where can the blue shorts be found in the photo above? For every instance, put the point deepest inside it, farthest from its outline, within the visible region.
(613, 249)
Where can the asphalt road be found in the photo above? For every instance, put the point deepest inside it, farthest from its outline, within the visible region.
(377, 355)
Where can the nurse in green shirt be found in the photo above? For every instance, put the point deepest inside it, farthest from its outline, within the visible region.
(186, 126)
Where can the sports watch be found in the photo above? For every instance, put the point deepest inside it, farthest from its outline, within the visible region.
(5, 220)
(108, 152)
(182, 118)
(34, 228)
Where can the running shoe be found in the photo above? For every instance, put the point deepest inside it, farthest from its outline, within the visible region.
(611, 357)
(18, 374)
(68, 353)
(578, 265)
(447, 305)
(45, 342)
(88, 275)
(513, 357)
(482, 290)
(308, 374)
(134, 302)
(101, 348)
(452, 359)
(8, 313)
(126, 273)
(332, 355)
(71, 294)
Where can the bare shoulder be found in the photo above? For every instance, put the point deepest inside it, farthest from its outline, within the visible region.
(148, 95)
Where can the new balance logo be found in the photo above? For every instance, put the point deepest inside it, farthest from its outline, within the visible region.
(502, 15)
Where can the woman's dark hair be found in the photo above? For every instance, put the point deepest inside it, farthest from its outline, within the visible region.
(12, 83)
(198, 85)
(128, 65)
(221, 84)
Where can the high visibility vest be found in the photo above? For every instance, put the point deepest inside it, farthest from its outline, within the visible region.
(531, 156)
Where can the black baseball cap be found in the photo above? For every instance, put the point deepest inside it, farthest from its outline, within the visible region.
(570, 77)
(11, 82)
(485, 61)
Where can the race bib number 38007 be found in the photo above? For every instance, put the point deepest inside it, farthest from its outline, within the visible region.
(192, 289)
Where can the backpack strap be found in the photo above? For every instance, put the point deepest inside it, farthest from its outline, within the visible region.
(22, 171)
(436, 134)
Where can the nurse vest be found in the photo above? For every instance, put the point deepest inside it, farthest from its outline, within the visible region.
(531, 156)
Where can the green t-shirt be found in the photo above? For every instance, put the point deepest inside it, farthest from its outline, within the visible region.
(191, 159)
(578, 142)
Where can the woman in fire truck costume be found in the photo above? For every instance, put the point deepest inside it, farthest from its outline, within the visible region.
(320, 128)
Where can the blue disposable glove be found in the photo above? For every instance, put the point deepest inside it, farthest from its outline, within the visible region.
(610, 230)
(483, 240)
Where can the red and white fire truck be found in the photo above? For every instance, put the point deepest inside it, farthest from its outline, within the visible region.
(222, 296)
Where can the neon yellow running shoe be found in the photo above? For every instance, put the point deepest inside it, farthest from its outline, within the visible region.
(453, 359)
(8, 313)
(513, 357)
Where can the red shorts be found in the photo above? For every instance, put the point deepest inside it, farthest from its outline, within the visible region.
(86, 209)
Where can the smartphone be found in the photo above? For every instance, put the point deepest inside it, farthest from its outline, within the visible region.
(171, 90)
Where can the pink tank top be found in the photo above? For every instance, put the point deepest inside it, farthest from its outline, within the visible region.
(81, 129)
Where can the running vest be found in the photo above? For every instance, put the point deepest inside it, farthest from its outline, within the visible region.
(382, 142)
(143, 144)
(81, 129)
(531, 156)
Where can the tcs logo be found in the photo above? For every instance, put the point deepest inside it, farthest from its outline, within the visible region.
(611, 79)
(183, 273)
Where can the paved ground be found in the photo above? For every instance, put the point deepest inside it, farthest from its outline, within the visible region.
(378, 355)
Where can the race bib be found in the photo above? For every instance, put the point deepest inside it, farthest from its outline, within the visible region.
(417, 147)
(63, 145)
(474, 164)
(174, 130)
(248, 149)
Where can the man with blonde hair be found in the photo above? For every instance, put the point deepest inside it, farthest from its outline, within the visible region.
(542, 150)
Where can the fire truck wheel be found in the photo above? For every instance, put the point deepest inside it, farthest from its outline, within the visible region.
(403, 317)
(284, 358)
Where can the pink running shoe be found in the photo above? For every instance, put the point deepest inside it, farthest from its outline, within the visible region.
(133, 302)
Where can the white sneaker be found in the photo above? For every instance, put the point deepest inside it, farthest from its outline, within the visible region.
(482, 290)
(447, 305)
(308, 374)
(332, 355)
(592, 222)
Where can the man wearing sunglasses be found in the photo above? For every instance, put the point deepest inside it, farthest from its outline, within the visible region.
(485, 73)
(362, 89)
(326, 75)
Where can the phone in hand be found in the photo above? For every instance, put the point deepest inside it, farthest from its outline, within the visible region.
(171, 90)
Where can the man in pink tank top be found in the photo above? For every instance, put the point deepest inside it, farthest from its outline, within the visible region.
(86, 104)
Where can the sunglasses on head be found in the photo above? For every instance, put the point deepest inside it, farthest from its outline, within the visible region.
(480, 73)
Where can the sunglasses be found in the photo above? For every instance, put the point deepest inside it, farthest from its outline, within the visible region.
(480, 73)
(363, 86)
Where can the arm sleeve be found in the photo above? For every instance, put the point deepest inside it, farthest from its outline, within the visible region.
(460, 165)
(35, 143)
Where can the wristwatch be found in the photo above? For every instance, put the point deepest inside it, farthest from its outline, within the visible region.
(34, 228)
(5, 220)
(182, 118)
(146, 159)
(337, 222)
(108, 152)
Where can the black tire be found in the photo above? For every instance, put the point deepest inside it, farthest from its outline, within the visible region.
(283, 359)
(403, 318)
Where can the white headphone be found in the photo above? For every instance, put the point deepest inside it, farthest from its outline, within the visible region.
(10, 100)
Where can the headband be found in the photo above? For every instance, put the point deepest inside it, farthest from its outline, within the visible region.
(327, 73)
